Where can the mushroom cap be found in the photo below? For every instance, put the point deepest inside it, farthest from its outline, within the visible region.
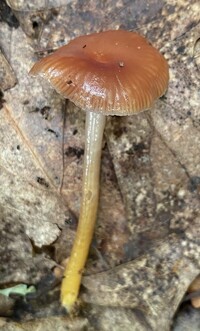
(114, 72)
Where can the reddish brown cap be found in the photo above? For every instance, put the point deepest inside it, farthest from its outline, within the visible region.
(112, 72)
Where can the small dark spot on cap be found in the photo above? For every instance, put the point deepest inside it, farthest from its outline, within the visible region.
(69, 82)
(84, 46)
(189, 113)
(18, 147)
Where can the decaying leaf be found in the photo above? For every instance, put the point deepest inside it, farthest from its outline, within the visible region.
(150, 285)
(147, 233)
(50, 324)
(7, 77)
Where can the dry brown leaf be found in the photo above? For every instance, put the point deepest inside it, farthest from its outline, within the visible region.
(7, 76)
(149, 203)
(50, 324)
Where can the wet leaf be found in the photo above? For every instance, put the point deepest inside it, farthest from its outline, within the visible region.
(147, 233)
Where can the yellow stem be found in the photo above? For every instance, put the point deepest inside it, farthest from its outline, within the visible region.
(95, 124)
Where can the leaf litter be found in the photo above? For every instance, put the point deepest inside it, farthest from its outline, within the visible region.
(150, 170)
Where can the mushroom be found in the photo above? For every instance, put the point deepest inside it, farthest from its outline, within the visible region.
(114, 72)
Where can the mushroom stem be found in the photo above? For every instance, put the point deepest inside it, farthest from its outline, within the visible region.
(95, 124)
